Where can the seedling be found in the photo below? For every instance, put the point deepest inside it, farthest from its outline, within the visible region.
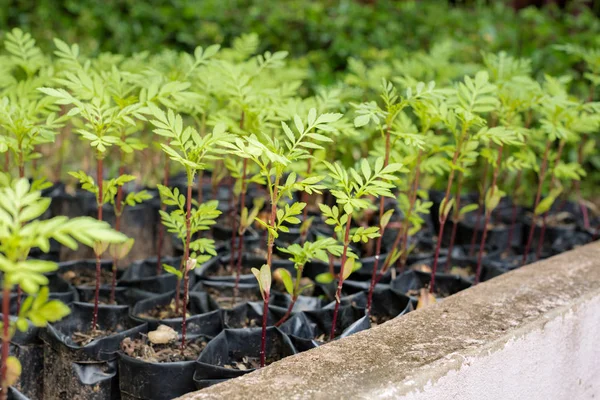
(300, 255)
(191, 151)
(272, 158)
(349, 188)
(21, 231)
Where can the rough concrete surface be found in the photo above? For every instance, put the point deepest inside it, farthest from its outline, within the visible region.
(528, 334)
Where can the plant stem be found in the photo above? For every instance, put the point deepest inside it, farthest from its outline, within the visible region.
(444, 215)
(513, 218)
(537, 201)
(488, 213)
(186, 256)
(161, 228)
(403, 232)
(263, 335)
(100, 201)
(199, 186)
(5, 338)
(304, 199)
(240, 248)
(479, 210)
(267, 294)
(299, 270)
(338, 293)
(118, 213)
(21, 175)
(454, 220)
(538, 251)
(381, 227)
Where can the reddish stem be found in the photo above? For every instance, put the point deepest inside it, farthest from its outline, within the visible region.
(381, 227)
(6, 161)
(538, 251)
(186, 256)
(488, 214)
(479, 210)
(5, 338)
(454, 220)
(513, 218)
(443, 217)
(263, 335)
(118, 212)
(100, 201)
(338, 293)
(240, 248)
(537, 201)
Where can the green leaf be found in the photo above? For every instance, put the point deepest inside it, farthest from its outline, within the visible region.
(545, 205)
(385, 218)
(173, 271)
(348, 268)
(325, 278)
(468, 208)
(263, 276)
(286, 277)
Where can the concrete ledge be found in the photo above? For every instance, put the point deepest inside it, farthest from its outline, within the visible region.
(530, 334)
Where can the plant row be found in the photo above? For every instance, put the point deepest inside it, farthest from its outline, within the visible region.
(264, 221)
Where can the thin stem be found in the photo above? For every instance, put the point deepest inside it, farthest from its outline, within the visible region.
(538, 251)
(479, 210)
(304, 199)
(263, 335)
(444, 215)
(381, 227)
(488, 213)
(186, 256)
(454, 220)
(118, 213)
(294, 296)
(240, 248)
(338, 293)
(513, 218)
(5, 338)
(161, 228)
(537, 201)
(100, 202)
(200, 184)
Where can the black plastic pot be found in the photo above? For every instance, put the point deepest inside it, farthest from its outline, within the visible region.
(233, 344)
(142, 275)
(90, 371)
(84, 266)
(209, 270)
(551, 235)
(387, 303)
(28, 348)
(445, 284)
(306, 327)
(303, 303)
(123, 296)
(222, 292)
(250, 315)
(199, 303)
(142, 380)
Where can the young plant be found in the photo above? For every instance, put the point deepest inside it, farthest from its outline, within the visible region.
(273, 156)
(473, 98)
(300, 255)
(101, 122)
(191, 151)
(21, 231)
(350, 189)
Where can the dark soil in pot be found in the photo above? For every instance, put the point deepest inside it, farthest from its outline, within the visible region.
(142, 275)
(311, 329)
(557, 225)
(123, 296)
(160, 308)
(87, 370)
(410, 283)
(222, 293)
(250, 315)
(83, 272)
(233, 352)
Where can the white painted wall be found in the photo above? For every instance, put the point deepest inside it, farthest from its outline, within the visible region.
(555, 358)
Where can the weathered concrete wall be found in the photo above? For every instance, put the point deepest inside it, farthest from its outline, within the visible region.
(531, 334)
